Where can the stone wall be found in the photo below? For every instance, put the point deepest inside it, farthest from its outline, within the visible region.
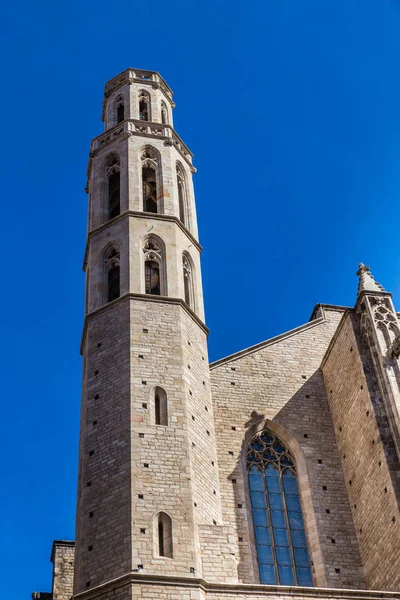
(280, 384)
(367, 455)
(63, 569)
(168, 349)
(103, 522)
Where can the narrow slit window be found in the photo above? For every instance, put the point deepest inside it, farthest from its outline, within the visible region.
(160, 406)
(164, 535)
(282, 550)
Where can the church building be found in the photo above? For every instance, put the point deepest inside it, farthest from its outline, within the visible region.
(271, 473)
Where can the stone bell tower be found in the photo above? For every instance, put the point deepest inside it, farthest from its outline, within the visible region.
(148, 491)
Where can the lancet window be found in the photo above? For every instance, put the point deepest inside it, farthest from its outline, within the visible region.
(154, 271)
(188, 280)
(144, 106)
(182, 195)
(114, 186)
(277, 516)
(112, 271)
(160, 406)
(164, 534)
(150, 179)
(164, 114)
(120, 109)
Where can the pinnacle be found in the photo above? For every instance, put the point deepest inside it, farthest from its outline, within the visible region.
(367, 282)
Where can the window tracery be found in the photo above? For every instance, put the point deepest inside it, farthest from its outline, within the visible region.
(150, 169)
(182, 195)
(164, 113)
(114, 186)
(120, 109)
(188, 280)
(153, 263)
(112, 270)
(277, 516)
(144, 106)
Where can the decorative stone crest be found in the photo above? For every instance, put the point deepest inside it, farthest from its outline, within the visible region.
(152, 250)
(112, 258)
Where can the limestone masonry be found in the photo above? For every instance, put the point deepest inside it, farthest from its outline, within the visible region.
(272, 473)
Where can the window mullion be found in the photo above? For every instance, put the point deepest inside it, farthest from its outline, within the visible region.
(271, 529)
(288, 528)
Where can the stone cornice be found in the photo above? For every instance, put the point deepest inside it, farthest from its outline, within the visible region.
(236, 591)
(130, 127)
(145, 298)
(126, 129)
(140, 215)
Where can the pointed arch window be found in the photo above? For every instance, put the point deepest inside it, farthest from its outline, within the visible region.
(112, 271)
(277, 516)
(164, 113)
(144, 106)
(182, 194)
(114, 186)
(188, 280)
(154, 268)
(164, 535)
(150, 180)
(160, 406)
(120, 109)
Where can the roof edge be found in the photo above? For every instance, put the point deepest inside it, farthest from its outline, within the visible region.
(64, 543)
(314, 320)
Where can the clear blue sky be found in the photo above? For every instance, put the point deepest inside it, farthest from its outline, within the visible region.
(291, 108)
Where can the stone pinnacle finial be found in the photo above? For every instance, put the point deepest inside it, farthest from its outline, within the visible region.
(367, 282)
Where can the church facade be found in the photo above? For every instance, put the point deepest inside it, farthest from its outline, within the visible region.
(271, 472)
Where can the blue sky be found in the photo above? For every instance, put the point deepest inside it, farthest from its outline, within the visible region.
(291, 108)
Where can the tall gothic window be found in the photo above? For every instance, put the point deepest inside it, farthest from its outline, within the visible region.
(154, 271)
(182, 197)
(188, 280)
(164, 534)
(144, 106)
(120, 109)
(150, 174)
(160, 406)
(164, 114)
(277, 516)
(114, 186)
(112, 273)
